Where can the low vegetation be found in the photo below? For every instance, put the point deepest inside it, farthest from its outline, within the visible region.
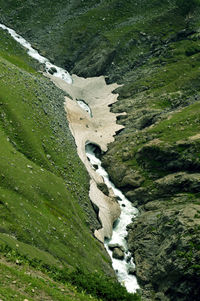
(34, 278)
(153, 49)
(46, 215)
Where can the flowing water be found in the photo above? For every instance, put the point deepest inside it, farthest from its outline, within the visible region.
(49, 67)
(84, 106)
(127, 210)
(122, 267)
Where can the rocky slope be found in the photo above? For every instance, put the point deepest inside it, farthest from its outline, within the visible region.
(153, 49)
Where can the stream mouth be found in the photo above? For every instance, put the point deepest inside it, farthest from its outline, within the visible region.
(116, 247)
(94, 149)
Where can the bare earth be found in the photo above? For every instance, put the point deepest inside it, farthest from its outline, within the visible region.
(98, 129)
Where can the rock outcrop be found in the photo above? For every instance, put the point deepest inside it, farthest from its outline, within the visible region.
(164, 239)
(152, 48)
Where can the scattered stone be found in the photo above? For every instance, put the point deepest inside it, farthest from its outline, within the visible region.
(52, 70)
(133, 179)
(160, 297)
(103, 187)
(113, 246)
(118, 254)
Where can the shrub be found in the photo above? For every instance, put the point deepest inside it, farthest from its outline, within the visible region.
(98, 285)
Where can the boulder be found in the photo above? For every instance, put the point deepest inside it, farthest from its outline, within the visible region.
(179, 182)
(132, 178)
(52, 70)
(113, 246)
(103, 187)
(118, 254)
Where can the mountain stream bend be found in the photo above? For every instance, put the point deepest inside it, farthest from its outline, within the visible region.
(92, 124)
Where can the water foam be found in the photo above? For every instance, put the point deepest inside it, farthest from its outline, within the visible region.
(49, 67)
(128, 212)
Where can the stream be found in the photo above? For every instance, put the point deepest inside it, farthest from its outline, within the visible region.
(49, 67)
(125, 267)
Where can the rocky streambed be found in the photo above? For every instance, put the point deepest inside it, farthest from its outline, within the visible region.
(93, 127)
(122, 260)
(49, 67)
(87, 106)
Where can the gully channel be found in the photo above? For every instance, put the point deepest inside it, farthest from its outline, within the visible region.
(116, 246)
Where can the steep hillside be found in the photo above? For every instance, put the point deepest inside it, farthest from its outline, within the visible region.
(40, 198)
(153, 49)
(25, 283)
(46, 216)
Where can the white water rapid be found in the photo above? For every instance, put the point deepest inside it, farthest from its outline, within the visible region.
(122, 267)
(49, 67)
(84, 106)
(127, 210)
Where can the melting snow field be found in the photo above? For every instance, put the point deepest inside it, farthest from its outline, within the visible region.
(119, 232)
(127, 210)
(49, 67)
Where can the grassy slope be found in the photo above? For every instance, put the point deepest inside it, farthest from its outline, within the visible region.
(26, 283)
(152, 49)
(110, 24)
(39, 167)
(42, 182)
(46, 215)
(167, 84)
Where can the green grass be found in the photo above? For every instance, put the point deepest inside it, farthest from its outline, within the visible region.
(43, 184)
(186, 122)
(164, 77)
(88, 284)
(116, 24)
(156, 57)
(45, 212)
(15, 54)
(22, 282)
(46, 218)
